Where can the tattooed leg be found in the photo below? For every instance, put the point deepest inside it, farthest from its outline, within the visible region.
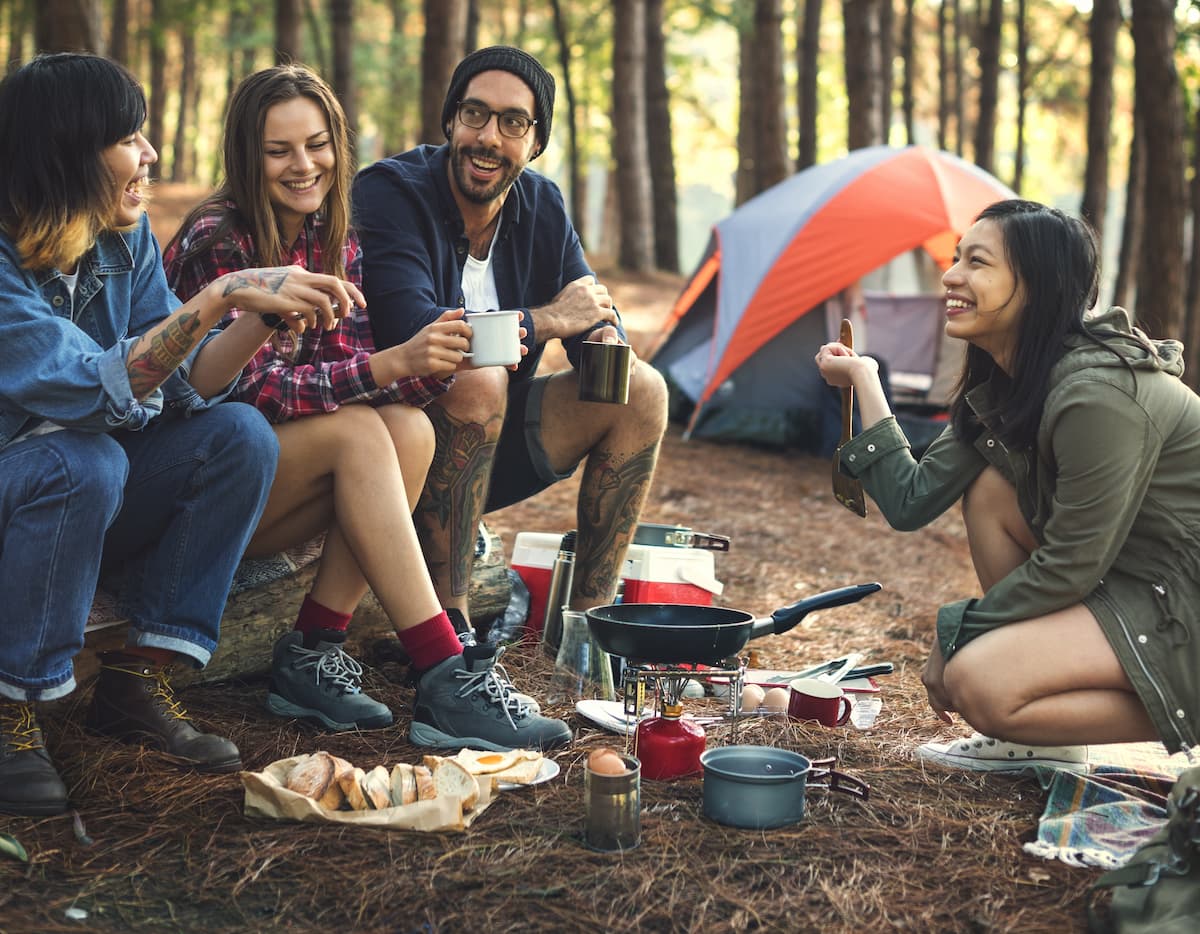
(611, 497)
(452, 503)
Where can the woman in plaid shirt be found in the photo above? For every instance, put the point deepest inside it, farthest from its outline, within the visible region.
(354, 442)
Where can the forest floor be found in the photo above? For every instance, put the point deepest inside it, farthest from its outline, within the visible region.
(932, 850)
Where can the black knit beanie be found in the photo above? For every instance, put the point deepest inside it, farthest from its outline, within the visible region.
(504, 58)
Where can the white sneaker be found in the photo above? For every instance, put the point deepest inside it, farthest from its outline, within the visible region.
(984, 754)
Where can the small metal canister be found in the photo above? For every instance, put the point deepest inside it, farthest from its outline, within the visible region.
(614, 807)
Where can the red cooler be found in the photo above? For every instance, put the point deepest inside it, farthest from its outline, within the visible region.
(651, 574)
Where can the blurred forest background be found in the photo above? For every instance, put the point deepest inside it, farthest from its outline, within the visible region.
(671, 112)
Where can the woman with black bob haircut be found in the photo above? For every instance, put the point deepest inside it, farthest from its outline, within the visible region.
(113, 451)
(1073, 447)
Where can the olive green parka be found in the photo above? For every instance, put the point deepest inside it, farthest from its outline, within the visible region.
(1112, 494)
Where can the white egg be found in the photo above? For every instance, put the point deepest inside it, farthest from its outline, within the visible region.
(776, 700)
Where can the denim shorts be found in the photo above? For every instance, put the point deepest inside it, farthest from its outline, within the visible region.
(522, 467)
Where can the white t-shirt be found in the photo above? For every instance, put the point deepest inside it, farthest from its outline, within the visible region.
(479, 282)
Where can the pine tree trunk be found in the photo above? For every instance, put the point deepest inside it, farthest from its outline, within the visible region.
(1022, 88)
(341, 17)
(636, 247)
(658, 142)
(158, 79)
(445, 35)
(287, 31)
(1102, 35)
(183, 121)
(65, 26)
(861, 21)
(1160, 279)
(989, 80)
(807, 53)
(578, 203)
(1131, 229)
(1191, 372)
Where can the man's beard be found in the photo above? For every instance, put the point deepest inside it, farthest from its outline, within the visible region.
(460, 158)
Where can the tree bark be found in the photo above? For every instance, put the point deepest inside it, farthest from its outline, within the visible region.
(1022, 95)
(808, 50)
(659, 142)
(158, 80)
(1160, 282)
(287, 31)
(772, 164)
(861, 22)
(66, 26)
(1192, 313)
(395, 125)
(636, 249)
(445, 37)
(341, 16)
(578, 204)
(887, 55)
(908, 51)
(945, 76)
(118, 41)
(183, 117)
(989, 80)
(1102, 36)
(956, 57)
(1133, 224)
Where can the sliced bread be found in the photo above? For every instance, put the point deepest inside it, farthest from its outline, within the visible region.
(377, 788)
(450, 778)
(311, 777)
(404, 784)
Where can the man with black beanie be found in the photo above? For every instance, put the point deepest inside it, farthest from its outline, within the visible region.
(467, 225)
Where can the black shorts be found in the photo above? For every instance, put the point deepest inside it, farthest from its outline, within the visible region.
(522, 467)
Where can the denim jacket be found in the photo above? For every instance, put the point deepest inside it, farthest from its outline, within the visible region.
(64, 360)
(414, 248)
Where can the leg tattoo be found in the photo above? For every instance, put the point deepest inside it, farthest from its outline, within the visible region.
(455, 494)
(610, 500)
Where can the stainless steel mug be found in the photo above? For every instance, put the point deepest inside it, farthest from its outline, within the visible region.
(604, 372)
(614, 807)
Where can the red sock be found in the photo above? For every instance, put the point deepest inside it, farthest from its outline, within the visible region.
(430, 642)
(316, 618)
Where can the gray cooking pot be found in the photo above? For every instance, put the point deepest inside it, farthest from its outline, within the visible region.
(759, 788)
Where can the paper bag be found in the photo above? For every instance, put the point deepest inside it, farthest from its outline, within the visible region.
(266, 796)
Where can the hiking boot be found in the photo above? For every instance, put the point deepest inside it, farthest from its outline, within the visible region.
(468, 638)
(981, 753)
(322, 685)
(462, 702)
(29, 784)
(134, 703)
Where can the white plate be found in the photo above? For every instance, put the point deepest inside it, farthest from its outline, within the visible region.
(547, 770)
(609, 715)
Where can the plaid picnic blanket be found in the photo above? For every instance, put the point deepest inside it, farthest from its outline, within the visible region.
(1101, 818)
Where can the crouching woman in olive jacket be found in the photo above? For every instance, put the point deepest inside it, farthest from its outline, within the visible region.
(1074, 448)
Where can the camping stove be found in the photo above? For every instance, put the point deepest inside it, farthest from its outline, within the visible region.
(666, 684)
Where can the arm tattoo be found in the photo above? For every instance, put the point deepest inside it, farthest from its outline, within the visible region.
(455, 495)
(265, 280)
(611, 497)
(162, 354)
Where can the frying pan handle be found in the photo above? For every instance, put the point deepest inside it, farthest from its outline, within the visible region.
(786, 617)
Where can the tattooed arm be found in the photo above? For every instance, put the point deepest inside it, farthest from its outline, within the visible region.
(299, 297)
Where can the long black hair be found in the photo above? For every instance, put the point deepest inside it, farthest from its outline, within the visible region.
(1055, 259)
(58, 113)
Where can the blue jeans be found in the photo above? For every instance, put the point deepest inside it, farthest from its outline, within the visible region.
(171, 507)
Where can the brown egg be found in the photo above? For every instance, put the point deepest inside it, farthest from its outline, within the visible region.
(605, 761)
(752, 697)
(776, 700)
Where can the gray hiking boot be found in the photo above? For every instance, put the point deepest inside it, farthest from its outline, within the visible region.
(321, 685)
(467, 638)
(463, 702)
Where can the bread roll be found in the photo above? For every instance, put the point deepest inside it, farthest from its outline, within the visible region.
(425, 786)
(377, 788)
(311, 777)
(351, 785)
(450, 778)
(334, 797)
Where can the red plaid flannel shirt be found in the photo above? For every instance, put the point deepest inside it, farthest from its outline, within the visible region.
(290, 377)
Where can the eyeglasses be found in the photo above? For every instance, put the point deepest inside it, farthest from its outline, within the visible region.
(512, 124)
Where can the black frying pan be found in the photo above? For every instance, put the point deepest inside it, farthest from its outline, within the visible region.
(674, 634)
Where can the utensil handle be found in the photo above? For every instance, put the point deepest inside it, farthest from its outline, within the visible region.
(847, 339)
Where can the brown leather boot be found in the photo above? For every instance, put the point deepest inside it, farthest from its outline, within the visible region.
(29, 783)
(134, 703)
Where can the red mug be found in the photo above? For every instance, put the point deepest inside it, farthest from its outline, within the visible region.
(813, 699)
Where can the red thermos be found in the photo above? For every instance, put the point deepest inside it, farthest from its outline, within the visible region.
(669, 746)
